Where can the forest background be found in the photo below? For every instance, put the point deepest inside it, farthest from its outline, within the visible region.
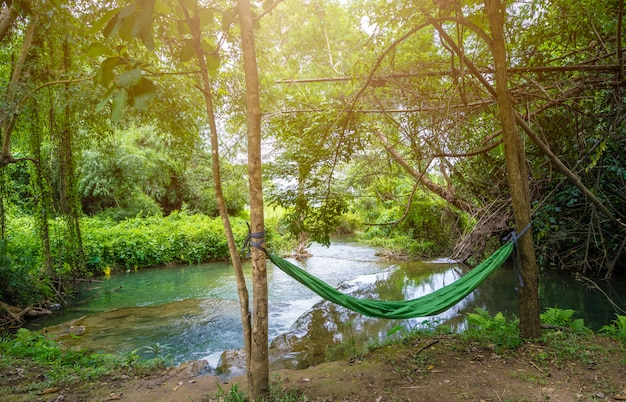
(376, 120)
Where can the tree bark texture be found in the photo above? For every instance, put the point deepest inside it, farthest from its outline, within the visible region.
(259, 387)
(517, 174)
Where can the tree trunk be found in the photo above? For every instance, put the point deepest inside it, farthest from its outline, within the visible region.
(8, 15)
(515, 157)
(242, 289)
(68, 189)
(259, 387)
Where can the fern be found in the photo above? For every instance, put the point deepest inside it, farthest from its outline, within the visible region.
(564, 318)
(617, 329)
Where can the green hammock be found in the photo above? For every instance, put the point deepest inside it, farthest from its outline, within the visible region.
(428, 305)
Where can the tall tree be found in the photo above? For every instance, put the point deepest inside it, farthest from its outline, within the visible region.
(137, 17)
(196, 35)
(259, 360)
(515, 157)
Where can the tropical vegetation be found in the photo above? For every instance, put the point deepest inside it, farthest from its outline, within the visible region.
(430, 128)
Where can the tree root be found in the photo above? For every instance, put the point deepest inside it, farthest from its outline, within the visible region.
(13, 317)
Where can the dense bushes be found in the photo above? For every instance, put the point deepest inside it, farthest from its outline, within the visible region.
(428, 229)
(145, 242)
(133, 243)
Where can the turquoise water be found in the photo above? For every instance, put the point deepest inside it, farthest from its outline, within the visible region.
(194, 310)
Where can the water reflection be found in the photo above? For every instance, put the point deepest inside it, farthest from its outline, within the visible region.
(195, 309)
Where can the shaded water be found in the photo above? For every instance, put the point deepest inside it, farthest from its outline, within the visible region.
(195, 310)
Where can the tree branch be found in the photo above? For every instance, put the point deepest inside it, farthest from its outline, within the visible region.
(8, 15)
(542, 146)
(440, 191)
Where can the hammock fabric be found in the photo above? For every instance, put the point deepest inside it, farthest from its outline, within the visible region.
(428, 305)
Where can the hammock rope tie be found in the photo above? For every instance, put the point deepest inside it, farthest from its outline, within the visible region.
(249, 243)
(517, 262)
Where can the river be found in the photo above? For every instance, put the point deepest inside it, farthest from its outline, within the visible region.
(194, 310)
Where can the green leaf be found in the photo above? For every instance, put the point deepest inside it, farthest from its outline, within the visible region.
(207, 47)
(129, 79)
(106, 70)
(187, 52)
(183, 27)
(212, 63)
(105, 99)
(106, 18)
(112, 27)
(127, 29)
(395, 329)
(228, 18)
(128, 10)
(100, 106)
(98, 49)
(206, 16)
(117, 108)
(142, 94)
(143, 24)
(162, 7)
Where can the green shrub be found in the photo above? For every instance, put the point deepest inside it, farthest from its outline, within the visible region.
(425, 230)
(47, 364)
(496, 330)
(155, 241)
(20, 282)
(617, 329)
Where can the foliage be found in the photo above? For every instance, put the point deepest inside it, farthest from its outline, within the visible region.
(233, 394)
(617, 329)
(564, 318)
(496, 330)
(17, 285)
(135, 243)
(144, 242)
(134, 172)
(21, 280)
(277, 394)
(46, 364)
(64, 367)
(425, 230)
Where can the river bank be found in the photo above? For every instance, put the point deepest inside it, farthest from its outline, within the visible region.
(560, 367)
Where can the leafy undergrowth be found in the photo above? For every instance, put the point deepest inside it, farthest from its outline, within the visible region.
(31, 364)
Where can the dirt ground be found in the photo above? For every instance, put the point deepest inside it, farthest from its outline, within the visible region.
(430, 369)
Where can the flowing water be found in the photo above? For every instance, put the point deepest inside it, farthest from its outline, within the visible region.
(194, 310)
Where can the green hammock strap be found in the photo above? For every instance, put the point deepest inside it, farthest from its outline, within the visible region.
(428, 305)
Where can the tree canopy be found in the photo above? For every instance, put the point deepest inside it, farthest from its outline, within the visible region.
(440, 125)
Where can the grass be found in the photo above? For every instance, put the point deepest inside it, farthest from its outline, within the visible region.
(31, 363)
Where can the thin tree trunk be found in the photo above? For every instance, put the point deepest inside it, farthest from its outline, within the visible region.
(515, 157)
(8, 121)
(40, 192)
(242, 289)
(259, 387)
